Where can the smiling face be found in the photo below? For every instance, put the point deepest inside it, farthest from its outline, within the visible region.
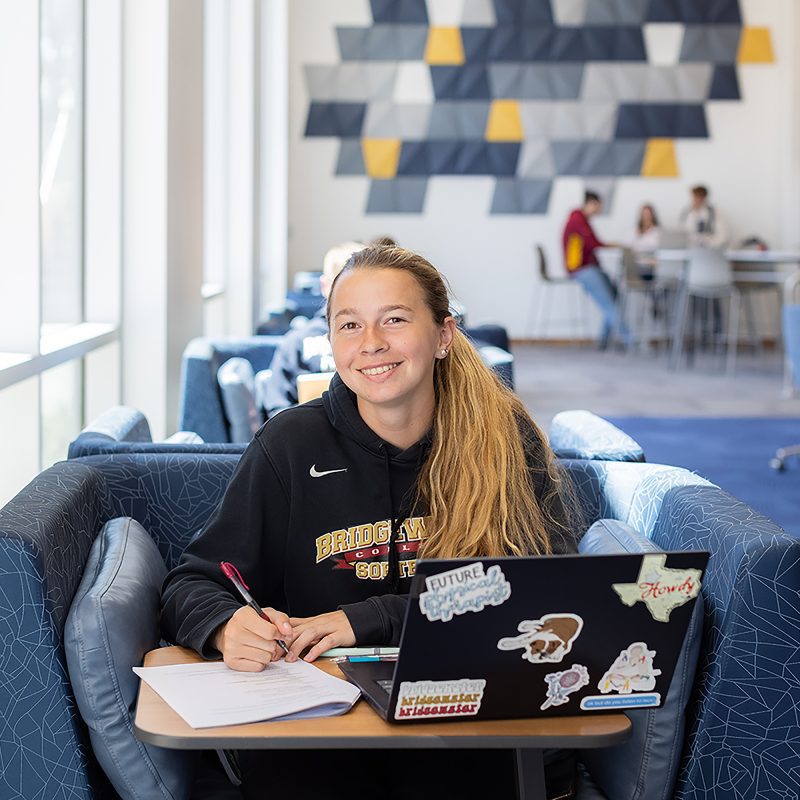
(385, 342)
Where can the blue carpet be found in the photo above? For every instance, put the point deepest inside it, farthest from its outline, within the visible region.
(734, 453)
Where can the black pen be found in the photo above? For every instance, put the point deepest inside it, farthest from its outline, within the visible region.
(230, 572)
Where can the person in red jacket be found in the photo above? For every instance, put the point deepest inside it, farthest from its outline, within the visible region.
(580, 259)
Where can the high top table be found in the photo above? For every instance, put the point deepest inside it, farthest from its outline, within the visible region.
(156, 723)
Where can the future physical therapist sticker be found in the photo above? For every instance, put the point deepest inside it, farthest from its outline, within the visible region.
(458, 698)
(661, 589)
(562, 684)
(463, 589)
(547, 639)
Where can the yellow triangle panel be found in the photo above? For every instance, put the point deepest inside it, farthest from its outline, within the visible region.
(444, 46)
(659, 159)
(381, 157)
(504, 123)
(755, 46)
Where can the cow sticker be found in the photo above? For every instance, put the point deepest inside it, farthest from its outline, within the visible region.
(660, 588)
(632, 671)
(463, 589)
(545, 640)
(436, 699)
(562, 684)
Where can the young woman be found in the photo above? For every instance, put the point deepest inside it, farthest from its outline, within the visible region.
(416, 449)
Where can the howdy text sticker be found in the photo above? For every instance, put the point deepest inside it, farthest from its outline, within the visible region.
(463, 589)
(661, 589)
(459, 698)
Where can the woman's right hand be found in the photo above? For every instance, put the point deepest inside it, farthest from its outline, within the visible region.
(248, 643)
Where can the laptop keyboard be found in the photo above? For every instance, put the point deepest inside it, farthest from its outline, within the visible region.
(386, 685)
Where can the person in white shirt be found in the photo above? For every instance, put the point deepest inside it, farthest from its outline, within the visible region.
(647, 236)
(705, 226)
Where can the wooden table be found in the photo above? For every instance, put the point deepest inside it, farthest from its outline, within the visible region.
(156, 723)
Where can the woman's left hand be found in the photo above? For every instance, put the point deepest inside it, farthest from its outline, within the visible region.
(320, 633)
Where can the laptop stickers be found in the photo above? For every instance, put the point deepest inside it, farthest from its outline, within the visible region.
(661, 589)
(439, 699)
(466, 588)
(562, 684)
(547, 639)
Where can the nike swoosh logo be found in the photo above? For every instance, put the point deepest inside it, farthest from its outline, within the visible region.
(314, 474)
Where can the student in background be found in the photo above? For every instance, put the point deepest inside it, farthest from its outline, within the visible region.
(580, 243)
(306, 348)
(420, 449)
(647, 236)
(704, 224)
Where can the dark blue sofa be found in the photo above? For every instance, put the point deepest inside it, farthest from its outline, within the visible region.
(744, 733)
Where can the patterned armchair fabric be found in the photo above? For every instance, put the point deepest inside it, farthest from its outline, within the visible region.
(582, 434)
(744, 739)
(122, 429)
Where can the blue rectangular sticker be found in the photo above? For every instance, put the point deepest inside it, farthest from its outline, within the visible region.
(600, 701)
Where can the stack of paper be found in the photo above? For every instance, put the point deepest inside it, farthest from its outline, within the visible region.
(211, 694)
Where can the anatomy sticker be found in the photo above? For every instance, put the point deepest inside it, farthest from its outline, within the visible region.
(661, 589)
(459, 698)
(562, 684)
(632, 671)
(547, 639)
(463, 589)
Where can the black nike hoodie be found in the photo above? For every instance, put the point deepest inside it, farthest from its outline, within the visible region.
(318, 515)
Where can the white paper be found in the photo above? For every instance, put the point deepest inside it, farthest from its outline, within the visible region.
(211, 694)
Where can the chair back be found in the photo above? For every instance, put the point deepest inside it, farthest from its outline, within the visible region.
(708, 270)
(791, 327)
(542, 261)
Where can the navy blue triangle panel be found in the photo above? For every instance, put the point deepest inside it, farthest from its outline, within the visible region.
(526, 12)
(725, 83)
(470, 82)
(488, 158)
(430, 157)
(399, 11)
(661, 120)
(344, 120)
(695, 11)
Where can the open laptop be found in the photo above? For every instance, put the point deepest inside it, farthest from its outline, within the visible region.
(498, 638)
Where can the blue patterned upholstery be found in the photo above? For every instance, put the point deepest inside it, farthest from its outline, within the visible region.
(744, 739)
(125, 430)
(200, 407)
(582, 434)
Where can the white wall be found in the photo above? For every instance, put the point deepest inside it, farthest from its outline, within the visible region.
(751, 163)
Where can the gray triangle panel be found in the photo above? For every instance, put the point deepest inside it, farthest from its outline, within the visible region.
(352, 43)
(414, 159)
(536, 159)
(505, 80)
(570, 12)
(351, 158)
(568, 157)
(520, 196)
(410, 42)
(718, 44)
(398, 196)
(627, 157)
(616, 12)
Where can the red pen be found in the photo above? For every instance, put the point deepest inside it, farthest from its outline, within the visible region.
(233, 574)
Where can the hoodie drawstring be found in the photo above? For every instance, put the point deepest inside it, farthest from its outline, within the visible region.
(394, 559)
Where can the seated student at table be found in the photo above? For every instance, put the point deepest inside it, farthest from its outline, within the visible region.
(647, 235)
(415, 450)
(580, 259)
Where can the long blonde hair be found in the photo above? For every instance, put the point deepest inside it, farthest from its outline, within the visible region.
(476, 483)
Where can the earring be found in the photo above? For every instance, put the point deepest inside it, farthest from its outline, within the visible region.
(444, 352)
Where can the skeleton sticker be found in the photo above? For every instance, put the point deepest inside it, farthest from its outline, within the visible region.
(434, 699)
(547, 639)
(660, 588)
(632, 671)
(463, 589)
(562, 684)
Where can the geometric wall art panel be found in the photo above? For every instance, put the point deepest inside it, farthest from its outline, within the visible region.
(525, 91)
